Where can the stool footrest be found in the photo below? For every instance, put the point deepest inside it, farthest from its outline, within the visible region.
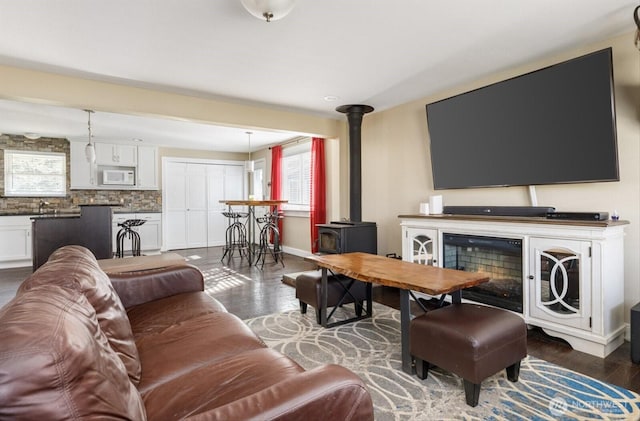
(471, 341)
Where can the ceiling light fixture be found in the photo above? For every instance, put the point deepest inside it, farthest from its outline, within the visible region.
(249, 165)
(636, 17)
(90, 150)
(268, 9)
(32, 136)
(330, 98)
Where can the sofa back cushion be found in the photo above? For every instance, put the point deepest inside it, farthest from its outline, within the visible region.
(76, 267)
(55, 362)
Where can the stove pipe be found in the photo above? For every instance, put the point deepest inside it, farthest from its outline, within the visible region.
(354, 116)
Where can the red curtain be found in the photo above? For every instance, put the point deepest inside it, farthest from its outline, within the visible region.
(318, 202)
(276, 180)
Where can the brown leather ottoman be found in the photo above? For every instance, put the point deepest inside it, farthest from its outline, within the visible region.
(471, 341)
(308, 287)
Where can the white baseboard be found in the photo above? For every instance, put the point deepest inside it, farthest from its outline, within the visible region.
(295, 252)
(12, 264)
(627, 332)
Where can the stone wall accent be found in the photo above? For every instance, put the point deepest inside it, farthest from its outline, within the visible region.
(136, 200)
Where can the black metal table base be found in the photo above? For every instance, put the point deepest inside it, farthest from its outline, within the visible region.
(324, 317)
(405, 320)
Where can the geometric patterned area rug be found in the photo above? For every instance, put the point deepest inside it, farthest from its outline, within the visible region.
(371, 349)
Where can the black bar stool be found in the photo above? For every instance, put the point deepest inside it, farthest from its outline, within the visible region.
(235, 236)
(270, 231)
(127, 232)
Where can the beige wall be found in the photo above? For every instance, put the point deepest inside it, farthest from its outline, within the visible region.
(397, 171)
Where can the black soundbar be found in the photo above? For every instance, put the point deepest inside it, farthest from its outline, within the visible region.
(579, 216)
(530, 211)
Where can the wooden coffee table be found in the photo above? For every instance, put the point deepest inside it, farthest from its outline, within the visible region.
(406, 276)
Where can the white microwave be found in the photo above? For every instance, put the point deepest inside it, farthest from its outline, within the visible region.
(118, 177)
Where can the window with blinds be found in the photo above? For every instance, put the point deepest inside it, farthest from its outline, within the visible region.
(35, 174)
(296, 176)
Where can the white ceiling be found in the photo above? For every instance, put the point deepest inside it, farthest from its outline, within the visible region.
(377, 52)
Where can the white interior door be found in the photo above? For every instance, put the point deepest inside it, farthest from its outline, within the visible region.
(196, 205)
(234, 182)
(175, 205)
(192, 192)
(215, 193)
(225, 182)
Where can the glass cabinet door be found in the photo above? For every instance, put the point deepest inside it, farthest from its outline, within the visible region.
(560, 283)
(421, 246)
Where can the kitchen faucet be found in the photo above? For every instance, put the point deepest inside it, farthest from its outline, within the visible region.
(41, 206)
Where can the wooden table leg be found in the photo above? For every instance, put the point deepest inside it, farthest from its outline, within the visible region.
(405, 319)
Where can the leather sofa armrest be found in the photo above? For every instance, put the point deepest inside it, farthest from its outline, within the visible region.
(139, 287)
(329, 392)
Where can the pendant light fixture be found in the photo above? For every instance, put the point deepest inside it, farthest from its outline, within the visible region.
(90, 150)
(249, 165)
(268, 9)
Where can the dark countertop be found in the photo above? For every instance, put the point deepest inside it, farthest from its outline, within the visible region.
(18, 213)
(129, 210)
(56, 216)
(70, 212)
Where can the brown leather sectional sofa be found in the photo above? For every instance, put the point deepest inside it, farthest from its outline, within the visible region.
(77, 344)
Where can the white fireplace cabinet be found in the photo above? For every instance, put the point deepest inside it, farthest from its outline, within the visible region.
(573, 276)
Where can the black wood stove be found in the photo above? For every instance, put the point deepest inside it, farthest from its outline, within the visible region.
(346, 237)
(352, 235)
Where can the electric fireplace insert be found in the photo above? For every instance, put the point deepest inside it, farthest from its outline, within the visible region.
(500, 258)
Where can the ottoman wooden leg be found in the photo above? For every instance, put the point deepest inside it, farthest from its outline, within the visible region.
(471, 393)
(422, 368)
(303, 307)
(513, 371)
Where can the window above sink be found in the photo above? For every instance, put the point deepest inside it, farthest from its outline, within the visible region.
(34, 174)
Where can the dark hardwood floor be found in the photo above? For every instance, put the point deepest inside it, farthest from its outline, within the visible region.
(253, 292)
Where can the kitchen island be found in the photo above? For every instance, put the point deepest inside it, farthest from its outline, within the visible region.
(91, 229)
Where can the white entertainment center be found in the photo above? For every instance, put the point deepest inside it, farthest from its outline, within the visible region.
(572, 271)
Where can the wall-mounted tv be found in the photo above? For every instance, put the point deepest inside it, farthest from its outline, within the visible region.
(553, 125)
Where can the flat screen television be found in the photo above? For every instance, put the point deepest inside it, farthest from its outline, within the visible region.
(553, 125)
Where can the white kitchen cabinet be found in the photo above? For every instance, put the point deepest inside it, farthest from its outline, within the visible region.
(114, 154)
(147, 171)
(15, 241)
(572, 271)
(141, 159)
(83, 173)
(150, 232)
